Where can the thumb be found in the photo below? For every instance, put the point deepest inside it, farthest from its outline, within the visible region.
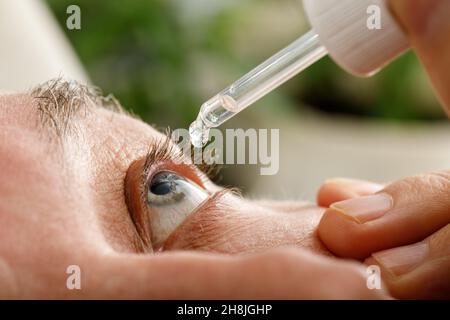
(403, 213)
(428, 25)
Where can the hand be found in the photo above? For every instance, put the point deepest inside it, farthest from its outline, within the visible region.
(283, 273)
(404, 228)
(428, 25)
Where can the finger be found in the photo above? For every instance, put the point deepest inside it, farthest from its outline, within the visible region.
(403, 213)
(283, 273)
(428, 26)
(340, 189)
(418, 271)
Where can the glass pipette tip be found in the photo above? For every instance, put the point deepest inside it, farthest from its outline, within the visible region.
(266, 77)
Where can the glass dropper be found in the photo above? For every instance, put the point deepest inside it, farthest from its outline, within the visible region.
(266, 77)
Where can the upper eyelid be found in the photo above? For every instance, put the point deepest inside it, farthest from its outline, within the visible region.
(165, 150)
(158, 151)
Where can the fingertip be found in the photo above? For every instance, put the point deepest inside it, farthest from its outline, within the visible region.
(339, 189)
(415, 16)
(428, 26)
(343, 235)
(330, 192)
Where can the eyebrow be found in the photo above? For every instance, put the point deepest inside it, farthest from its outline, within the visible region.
(60, 102)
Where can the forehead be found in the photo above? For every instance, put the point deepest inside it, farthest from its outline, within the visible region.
(91, 134)
(68, 117)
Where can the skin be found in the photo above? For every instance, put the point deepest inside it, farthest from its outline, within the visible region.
(420, 215)
(428, 27)
(64, 203)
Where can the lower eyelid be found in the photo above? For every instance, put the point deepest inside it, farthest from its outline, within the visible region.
(203, 222)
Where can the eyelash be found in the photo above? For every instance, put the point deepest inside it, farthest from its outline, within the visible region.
(164, 152)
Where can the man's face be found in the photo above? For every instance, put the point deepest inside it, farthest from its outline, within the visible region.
(79, 181)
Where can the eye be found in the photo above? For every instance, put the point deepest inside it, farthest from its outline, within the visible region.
(171, 199)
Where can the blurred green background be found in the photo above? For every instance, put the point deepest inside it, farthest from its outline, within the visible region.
(163, 58)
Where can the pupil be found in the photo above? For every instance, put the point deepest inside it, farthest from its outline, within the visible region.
(161, 188)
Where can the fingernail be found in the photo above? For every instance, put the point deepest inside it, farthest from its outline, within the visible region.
(403, 259)
(366, 208)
